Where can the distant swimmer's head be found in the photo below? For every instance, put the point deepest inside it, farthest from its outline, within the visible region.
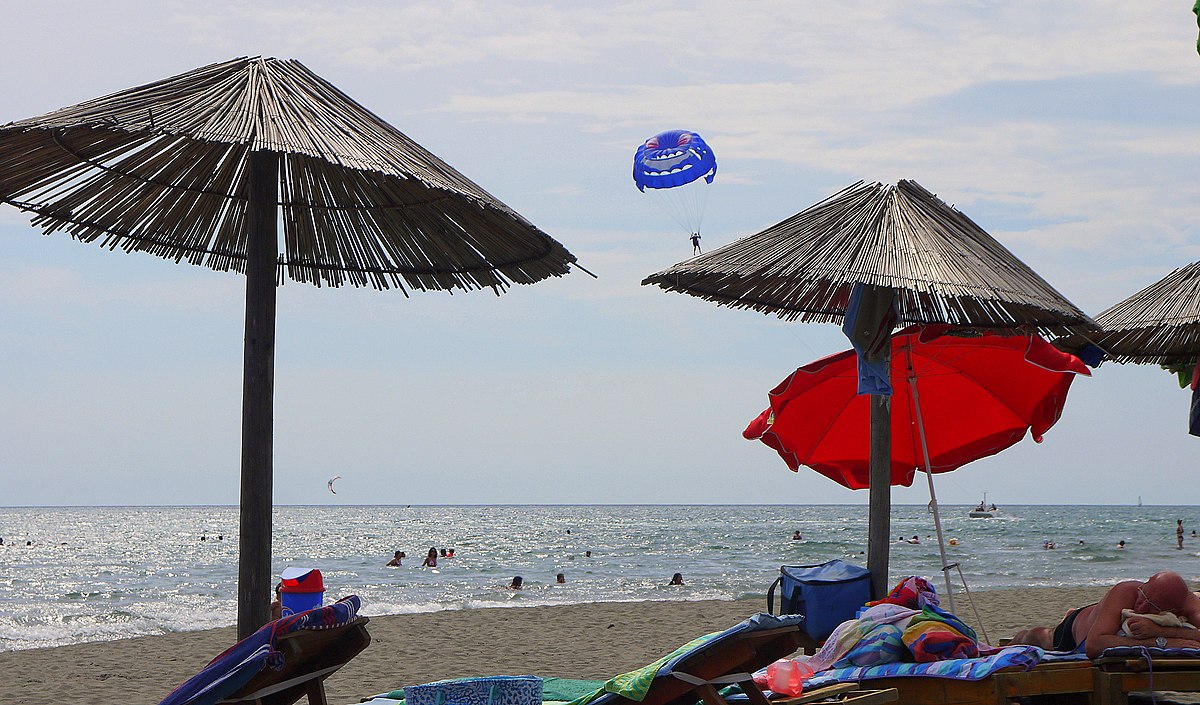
(516, 583)
(560, 578)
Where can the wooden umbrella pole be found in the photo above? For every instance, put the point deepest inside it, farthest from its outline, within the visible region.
(258, 391)
(879, 530)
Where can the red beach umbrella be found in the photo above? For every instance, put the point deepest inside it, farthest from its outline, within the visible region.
(958, 396)
(977, 396)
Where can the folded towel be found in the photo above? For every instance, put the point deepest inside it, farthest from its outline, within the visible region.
(937, 635)
(1164, 619)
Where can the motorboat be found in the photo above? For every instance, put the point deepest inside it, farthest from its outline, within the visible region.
(983, 510)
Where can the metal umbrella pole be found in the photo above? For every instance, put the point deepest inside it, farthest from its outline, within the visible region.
(937, 519)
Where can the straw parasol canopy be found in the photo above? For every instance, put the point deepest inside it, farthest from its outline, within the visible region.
(908, 249)
(1158, 325)
(941, 266)
(200, 167)
(162, 168)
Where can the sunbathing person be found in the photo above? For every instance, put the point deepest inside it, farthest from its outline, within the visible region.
(1097, 627)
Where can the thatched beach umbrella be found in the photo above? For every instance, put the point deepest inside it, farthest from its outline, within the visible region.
(1158, 325)
(199, 167)
(906, 248)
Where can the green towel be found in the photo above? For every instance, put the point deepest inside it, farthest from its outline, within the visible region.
(564, 689)
(635, 684)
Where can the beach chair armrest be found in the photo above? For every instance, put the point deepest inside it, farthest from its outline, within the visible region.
(284, 685)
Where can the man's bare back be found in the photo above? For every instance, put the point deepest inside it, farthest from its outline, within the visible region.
(1099, 626)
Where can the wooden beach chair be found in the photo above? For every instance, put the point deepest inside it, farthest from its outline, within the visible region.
(1058, 682)
(700, 673)
(700, 670)
(281, 662)
(1116, 676)
(309, 657)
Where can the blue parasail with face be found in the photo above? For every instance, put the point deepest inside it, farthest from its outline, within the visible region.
(673, 158)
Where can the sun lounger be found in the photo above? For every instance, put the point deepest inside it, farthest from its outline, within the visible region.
(700, 670)
(1061, 683)
(1016, 672)
(1108, 680)
(1123, 670)
(281, 662)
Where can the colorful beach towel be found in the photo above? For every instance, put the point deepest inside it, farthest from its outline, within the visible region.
(239, 663)
(913, 592)
(972, 669)
(937, 635)
(883, 644)
(846, 638)
(554, 690)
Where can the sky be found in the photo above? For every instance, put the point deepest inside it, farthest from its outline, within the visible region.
(1066, 130)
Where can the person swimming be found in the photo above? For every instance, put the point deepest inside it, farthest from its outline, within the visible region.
(676, 579)
(517, 583)
(430, 559)
(277, 604)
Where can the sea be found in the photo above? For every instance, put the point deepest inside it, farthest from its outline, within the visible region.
(80, 574)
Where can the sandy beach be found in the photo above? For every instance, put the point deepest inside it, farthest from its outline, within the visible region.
(574, 641)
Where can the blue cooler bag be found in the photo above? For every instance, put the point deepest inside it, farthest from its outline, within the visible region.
(493, 690)
(826, 594)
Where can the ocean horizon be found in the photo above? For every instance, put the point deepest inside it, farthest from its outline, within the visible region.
(75, 574)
